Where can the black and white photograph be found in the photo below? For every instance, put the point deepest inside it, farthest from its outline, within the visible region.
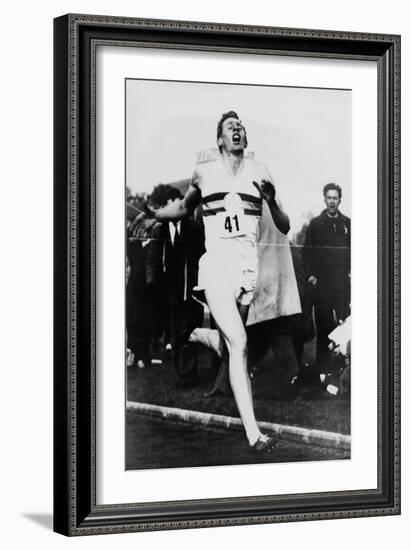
(238, 274)
(207, 199)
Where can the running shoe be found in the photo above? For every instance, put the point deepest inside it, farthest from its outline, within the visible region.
(265, 444)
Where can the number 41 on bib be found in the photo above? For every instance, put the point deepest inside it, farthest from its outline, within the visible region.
(231, 225)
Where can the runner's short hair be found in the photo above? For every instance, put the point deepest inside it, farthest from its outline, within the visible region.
(224, 116)
(332, 187)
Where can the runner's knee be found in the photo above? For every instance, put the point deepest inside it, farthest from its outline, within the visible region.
(237, 342)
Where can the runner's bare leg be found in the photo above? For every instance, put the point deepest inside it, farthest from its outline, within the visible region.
(210, 338)
(224, 309)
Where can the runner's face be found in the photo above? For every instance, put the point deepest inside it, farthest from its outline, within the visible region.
(332, 201)
(233, 137)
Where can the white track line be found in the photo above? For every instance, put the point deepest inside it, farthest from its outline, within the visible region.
(291, 433)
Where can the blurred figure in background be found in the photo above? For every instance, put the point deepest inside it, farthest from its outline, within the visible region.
(146, 310)
(340, 346)
(138, 311)
(129, 354)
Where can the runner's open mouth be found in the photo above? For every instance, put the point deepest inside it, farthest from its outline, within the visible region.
(236, 138)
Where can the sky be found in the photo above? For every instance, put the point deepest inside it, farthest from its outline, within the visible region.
(303, 135)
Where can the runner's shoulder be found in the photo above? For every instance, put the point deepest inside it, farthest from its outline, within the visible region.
(197, 178)
(259, 168)
(203, 174)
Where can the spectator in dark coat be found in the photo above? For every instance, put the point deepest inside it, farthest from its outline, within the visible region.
(327, 264)
(138, 311)
(172, 265)
(146, 311)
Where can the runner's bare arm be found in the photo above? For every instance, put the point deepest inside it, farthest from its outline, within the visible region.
(267, 192)
(184, 207)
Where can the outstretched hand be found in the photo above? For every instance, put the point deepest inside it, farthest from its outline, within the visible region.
(148, 212)
(141, 224)
(266, 190)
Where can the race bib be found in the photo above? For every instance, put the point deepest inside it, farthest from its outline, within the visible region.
(231, 223)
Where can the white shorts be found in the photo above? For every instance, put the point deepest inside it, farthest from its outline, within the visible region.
(227, 274)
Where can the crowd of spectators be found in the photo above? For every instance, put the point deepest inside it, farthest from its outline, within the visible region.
(161, 272)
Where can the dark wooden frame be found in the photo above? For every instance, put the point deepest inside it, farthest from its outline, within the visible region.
(75, 41)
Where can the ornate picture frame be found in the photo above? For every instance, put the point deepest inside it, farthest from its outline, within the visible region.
(76, 40)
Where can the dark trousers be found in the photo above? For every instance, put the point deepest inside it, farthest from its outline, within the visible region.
(138, 328)
(146, 318)
(184, 317)
(274, 335)
(332, 304)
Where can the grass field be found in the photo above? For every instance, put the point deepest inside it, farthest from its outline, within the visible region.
(275, 400)
(159, 444)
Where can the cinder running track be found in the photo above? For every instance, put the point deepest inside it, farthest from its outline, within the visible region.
(155, 443)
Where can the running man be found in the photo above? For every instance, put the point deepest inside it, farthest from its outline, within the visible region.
(231, 191)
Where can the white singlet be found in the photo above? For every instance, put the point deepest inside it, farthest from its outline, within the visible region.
(232, 209)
